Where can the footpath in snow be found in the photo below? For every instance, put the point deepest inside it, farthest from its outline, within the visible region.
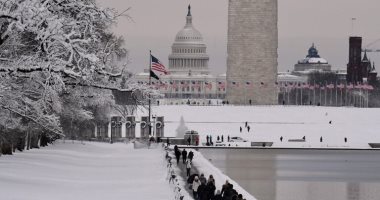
(201, 165)
(76, 171)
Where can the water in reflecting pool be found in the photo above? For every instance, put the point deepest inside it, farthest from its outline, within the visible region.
(302, 174)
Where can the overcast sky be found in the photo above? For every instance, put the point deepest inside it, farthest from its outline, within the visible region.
(327, 23)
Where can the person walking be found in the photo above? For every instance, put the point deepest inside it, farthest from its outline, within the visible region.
(321, 139)
(241, 129)
(188, 141)
(177, 155)
(218, 196)
(202, 179)
(246, 124)
(188, 167)
(281, 138)
(228, 138)
(210, 188)
(217, 138)
(190, 156)
(195, 186)
(345, 140)
(184, 156)
(248, 128)
(202, 191)
(222, 138)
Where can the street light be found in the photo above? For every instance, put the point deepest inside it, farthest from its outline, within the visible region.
(154, 125)
(113, 125)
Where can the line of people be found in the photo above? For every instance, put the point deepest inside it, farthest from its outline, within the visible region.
(185, 156)
(205, 190)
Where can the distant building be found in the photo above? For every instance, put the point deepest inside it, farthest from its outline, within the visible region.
(189, 76)
(359, 70)
(368, 70)
(312, 62)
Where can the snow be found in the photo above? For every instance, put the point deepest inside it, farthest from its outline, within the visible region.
(85, 171)
(118, 171)
(269, 123)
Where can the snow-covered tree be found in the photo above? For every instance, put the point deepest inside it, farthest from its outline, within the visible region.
(59, 61)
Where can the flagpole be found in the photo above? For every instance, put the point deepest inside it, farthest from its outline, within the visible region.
(149, 100)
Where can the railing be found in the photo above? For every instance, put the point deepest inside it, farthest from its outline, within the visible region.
(172, 178)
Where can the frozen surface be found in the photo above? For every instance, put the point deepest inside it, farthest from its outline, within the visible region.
(269, 123)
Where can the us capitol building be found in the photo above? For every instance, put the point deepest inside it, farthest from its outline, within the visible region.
(189, 76)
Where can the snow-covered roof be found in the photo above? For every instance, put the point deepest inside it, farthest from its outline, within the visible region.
(313, 61)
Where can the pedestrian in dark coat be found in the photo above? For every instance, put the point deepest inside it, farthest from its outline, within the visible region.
(241, 129)
(225, 187)
(202, 192)
(281, 138)
(228, 138)
(175, 148)
(177, 155)
(190, 156)
(246, 124)
(188, 141)
(202, 178)
(222, 138)
(210, 188)
(248, 128)
(184, 156)
(218, 138)
(218, 196)
(321, 139)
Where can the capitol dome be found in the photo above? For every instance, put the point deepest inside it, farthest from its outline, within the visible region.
(188, 50)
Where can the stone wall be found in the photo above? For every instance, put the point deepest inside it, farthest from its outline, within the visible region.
(252, 51)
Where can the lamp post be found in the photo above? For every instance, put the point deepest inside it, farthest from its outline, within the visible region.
(154, 126)
(113, 125)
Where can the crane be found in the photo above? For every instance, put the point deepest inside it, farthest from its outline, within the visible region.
(366, 49)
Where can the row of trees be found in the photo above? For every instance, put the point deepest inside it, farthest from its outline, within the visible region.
(59, 63)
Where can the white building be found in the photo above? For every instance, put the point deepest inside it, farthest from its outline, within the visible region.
(189, 76)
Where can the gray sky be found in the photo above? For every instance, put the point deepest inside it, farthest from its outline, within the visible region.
(327, 23)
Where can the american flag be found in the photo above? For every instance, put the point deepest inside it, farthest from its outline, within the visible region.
(330, 86)
(158, 66)
(340, 86)
(350, 86)
(208, 85)
(221, 85)
(235, 84)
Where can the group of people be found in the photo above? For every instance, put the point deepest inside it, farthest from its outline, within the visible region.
(187, 158)
(204, 189)
(246, 126)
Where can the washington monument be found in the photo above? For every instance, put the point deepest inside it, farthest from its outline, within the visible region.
(252, 52)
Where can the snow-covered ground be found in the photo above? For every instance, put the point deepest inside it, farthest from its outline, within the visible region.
(90, 171)
(268, 123)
